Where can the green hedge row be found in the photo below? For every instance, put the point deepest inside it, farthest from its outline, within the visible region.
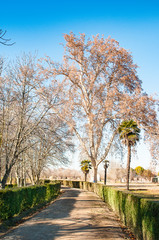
(15, 200)
(10, 185)
(141, 215)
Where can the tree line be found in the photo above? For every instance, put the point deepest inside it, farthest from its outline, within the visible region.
(32, 135)
(88, 95)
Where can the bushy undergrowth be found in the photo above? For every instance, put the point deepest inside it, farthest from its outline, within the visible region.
(10, 186)
(141, 215)
(14, 201)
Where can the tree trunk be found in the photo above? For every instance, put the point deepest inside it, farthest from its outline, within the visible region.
(11, 179)
(38, 179)
(24, 171)
(18, 181)
(18, 174)
(85, 177)
(95, 174)
(0, 169)
(24, 179)
(5, 177)
(128, 165)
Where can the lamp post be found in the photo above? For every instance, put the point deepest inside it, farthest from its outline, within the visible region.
(106, 165)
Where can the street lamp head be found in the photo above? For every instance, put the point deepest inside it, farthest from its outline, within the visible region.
(106, 163)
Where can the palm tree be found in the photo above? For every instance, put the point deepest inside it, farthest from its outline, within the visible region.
(85, 166)
(129, 134)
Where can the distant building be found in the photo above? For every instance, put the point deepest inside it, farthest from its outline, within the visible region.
(155, 179)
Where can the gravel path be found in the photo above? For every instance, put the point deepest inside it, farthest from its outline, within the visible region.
(77, 214)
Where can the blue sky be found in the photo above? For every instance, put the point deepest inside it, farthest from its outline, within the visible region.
(40, 25)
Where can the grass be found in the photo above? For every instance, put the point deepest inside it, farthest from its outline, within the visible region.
(152, 195)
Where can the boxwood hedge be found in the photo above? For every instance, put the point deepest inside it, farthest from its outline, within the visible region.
(15, 200)
(141, 215)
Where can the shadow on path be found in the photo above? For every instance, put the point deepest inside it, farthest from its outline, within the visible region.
(76, 215)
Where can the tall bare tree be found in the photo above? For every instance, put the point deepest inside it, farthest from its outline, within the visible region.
(54, 141)
(153, 140)
(21, 111)
(99, 88)
(32, 135)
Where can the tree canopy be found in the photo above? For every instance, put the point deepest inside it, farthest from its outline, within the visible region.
(139, 170)
(97, 87)
(129, 132)
(85, 167)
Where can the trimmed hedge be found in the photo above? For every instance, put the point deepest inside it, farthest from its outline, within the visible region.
(141, 215)
(14, 201)
(10, 185)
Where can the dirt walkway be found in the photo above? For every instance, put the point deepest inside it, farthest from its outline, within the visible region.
(77, 214)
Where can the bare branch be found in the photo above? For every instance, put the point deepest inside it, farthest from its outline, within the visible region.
(3, 40)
